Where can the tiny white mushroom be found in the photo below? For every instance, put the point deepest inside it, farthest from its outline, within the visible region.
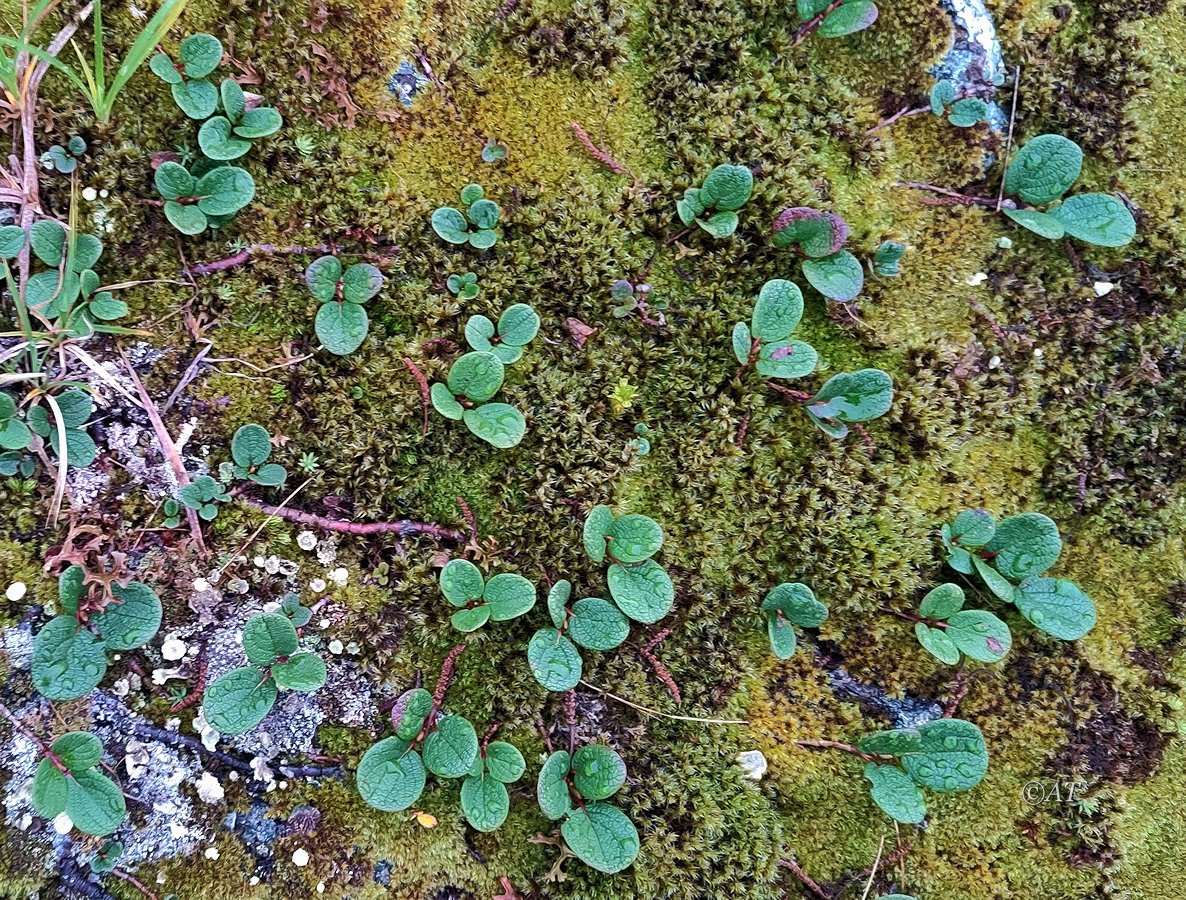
(335, 646)
(210, 789)
(89, 194)
(62, 823)
(339, 576)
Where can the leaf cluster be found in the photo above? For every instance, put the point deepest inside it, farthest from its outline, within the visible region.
(68, 781)
(962, 112)
(477, 376)
(849, 17)
(504, 597)
(788, 605)
(819, 238)
(341, 323)
(475, 226)
(250, 448)
(947, 630)
(64, 158)
(713, 206)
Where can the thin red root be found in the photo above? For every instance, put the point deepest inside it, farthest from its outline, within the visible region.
(423, 382)
(602, 156)
(647, 652)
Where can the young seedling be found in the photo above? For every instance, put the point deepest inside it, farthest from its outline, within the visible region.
(64, 157)
(887, 261)
(68, 781)
(786, 606)
(71, 276)
(291, 608)
(635, 297)
(342, 322)
(485, 802)
(819, 238)
(505, 596)
(1010, 557)
(202, 494)
(517, 327)
(833, 18)
(850, 398)
(476, 226)
(240, 699)
(765, 344)
(107, 858)
(592, 623)
(70, 652)
(947, 756)
(713, 206)
(463, 287)
(642, 443)
(76, 406)
(945, 629)
(229, 136)
(962, 112)
(250, 448)
(14, 433)
(574, 788)
(1040, 175)
(493, 150)
(471, 382)
(194, 203)
(198, 56)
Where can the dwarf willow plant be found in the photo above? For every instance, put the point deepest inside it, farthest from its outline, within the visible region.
(76, 407)
(68, 781)
(64, 158)
(575, 789)
(887, 261)
(765, 345)
(194, 203)
(229, 136)
(713, 206)
(70, 652)
(240, 699)
(505, 596)
(393, 772)
(819, 238)
(203, 494)
(1041, 174)
(1010, 557)
(463, 287)
(250, 448)
(465, 394)
(517, 327)
(475, 226)
(788, 605)
(945, 629)
(947, 756)
(962, 112)
(341, 323)
(835, 18)
(197, 57)
(69, 289)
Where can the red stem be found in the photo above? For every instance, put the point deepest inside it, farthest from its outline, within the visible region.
(424, 401)
(402, 527)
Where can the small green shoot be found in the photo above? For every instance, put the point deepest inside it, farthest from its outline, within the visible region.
(341, 323)
(713, 206)
(68, 781)
(475, 226)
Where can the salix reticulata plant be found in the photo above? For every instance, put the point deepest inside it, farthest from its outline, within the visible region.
(960, 111)
(251, 447)
(239, 700)
(819, 238)
(97, 615)
(1041, 174)
(713, 206)
(575, 788)
(505, 596)
(342, 322)
(465, 394)
(68, 781)
(945, 629)
(1010, 557)
(475, 226)
(835, 18)
(788, 605)
(517, 327)
(198, 56)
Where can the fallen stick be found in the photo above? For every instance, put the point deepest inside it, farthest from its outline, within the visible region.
(402, 527)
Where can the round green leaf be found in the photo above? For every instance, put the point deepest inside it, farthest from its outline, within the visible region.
(200, 54)
(71, 584)
(49, 790)
(554, 660)
(461, 582)
(980, 635)
(269, 475)
(952, 757)
(598, 526)
(224, 191)
(1099, 219)
(106, 308)
(727, 187)
(597, 624)
(509, 596)
(234, 102)
(896, 794)
(558, 597)
(259, 123)
(720, 224)
(1056, 606)
(450, 225)
(164, 69)
(504, 762)
(838, 277)
(551, 787)
(217, 141)
(777, 312)
(303, 672)
(1025, 545)
(477, 376)
(1044, 169)
(478, 332)
(742, 342)
(391, 776)
(1040, 223)
(936, 642)
(797, 602)
(973, 528)
(251, 446)
(518, 325)
(472, 193)
(47, 239)
(895, 742)
(597, 772)
(323, 276)
(851, 397)
(485, 802)
(644, 592)
(451, 748)
(239, 700)
(816, 233)
(968, 112)
(133, 620)
(781, 633)
(197, 99)
(848, 18)
(993, 580)
(12, 241)
(484, 213)
(267, 637)
(94, 802)
(942, 95)
(445, 403)
(634, 537)
(68, 661)
(78, 750)
(602, 837)
(187, 219)
(787, 359)
(361, 282)
(941, 602)
(467, 620)
(498, 424)
(341, 327)
(410, 712)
